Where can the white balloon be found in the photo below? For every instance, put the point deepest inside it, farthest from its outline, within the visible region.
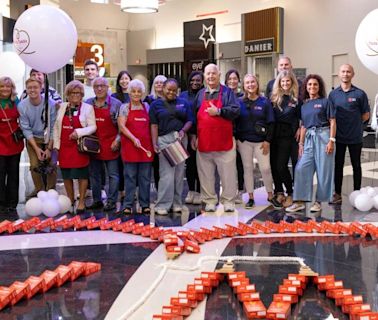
(12, 66)
(43, 195)
(64, 203)
(352, 197)
(371, 192)
(364, 190)
(53, 194)
(45, 37)
(33, 207)
(50, 208)
(375, 202)
(366, 41)
(363, 202)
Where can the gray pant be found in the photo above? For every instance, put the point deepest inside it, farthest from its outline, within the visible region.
(225, 163)
(171, 181)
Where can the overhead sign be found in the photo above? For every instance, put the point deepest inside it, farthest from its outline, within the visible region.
(86, 50)
(259, 46)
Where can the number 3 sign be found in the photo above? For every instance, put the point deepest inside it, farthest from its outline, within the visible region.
(86, 50)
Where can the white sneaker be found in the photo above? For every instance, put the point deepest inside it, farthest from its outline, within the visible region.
(176, 208)
(229, 207)
(189, 197)
(161, 212)
(210, 207)
(296, 206)
(239, 197)
(316, 207)
(197, 198)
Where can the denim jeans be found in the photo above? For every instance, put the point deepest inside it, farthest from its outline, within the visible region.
(137, 174)
(95, 168)
(315, 159)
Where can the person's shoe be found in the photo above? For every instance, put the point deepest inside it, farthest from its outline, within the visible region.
(336, 199)
(275, 202)
(197, 199)
(229, 207)
(210, 207)
(250, 204)
(176, 209)
(288, 202)
(146, 210)
(239, 197)
(96, 205)
(189, 197)
(161, 212)
(296, 206)
(127, 211)
(109, 206)
(316, 207)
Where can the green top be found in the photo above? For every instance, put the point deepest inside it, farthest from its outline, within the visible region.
(8, 103)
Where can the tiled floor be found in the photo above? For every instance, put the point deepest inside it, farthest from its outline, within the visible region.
(130, 264)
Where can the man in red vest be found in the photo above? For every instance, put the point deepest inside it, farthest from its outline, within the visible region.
(216, 107)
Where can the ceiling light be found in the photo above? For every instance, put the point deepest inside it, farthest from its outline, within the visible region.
(139, 6)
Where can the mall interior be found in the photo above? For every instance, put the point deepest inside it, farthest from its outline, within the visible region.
(138, 276)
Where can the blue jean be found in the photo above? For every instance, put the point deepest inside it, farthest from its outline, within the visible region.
(95, 168)
(137, 174)
(315, 159)
(171, 181)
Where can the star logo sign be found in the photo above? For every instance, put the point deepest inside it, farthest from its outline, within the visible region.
(207, 35)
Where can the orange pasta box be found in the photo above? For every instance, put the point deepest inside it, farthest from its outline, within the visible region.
(96, 224)
(167, 317)
(191, 296)
(170, 240)
(36, 285)
(359, 308)
(353, 300)
(192, 246)
(340, 301)
(316, 227)
(371, 229)
(288, 298)
(248, 296)
(289, 227)
(275, 227)
(338, 293)
(303, 227)
(44, 224)
(110, 224)
(78, 269)
(296, 283)
(250, 288)
(254, 309)
(177, 310)
(83, 224)
(137, 228)
(174, 249)
(21, 290)
(146, 230)
(59, 222)
(345, 308)
(183, 302)
(364, 316)
(16, 226)
(299, 277)
(329, 227)
(278, 310)
(330, 285)
(206, 283)
(4, 225)
(125, 227)
(238, 282)
(30, 224)
(260, 227)
(290, 290)
(50, 279)
(212, 275)
(357, 228)
(324, 279)
(198, 290)
(69, 223)
(64, 273)
(199, 237)
(6, 296)
(236, 275)
(247, 228)
(343, 227)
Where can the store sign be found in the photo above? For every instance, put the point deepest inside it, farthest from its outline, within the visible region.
(86, 50)
(259, 46)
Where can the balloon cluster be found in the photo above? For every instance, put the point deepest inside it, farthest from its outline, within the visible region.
(49, 203)
(364, 199)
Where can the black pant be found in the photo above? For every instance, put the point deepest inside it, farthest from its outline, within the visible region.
(355, 158)
(191, 171)
(121, 186)
(280, 151)
(9, 177)
(294, 157)
(155, 166)
(240, 170)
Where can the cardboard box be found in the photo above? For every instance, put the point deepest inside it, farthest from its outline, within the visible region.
(254, 309)
(338, 293)
(50, 279)
(64, 273)
(36, 285)
(21, 290)
(365, 316)
(330, 285)
(290, 290)
(177, 310)
(249, 296)
(183, 302)
(245, 289)
(78, 269)
(167, 317)
(91, 267)
(278, 310)
(288, 298)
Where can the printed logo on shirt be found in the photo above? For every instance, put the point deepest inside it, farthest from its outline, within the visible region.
(317, 106)
(67, 127)
(258, 108)
(352, 99)
(292, 105)
(179, 105)
(140, 119)
(100, 119)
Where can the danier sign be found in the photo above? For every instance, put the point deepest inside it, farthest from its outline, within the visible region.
(259, 46)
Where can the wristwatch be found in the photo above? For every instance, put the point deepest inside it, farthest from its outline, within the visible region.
(332, 139)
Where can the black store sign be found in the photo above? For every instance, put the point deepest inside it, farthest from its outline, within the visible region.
(259, 46)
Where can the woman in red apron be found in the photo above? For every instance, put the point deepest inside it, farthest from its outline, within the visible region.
(136, 148)
(11, 146)
(75, 119)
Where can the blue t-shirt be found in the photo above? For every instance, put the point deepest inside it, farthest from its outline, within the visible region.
(349, 107)
(258, 111)
(317, 112)
(170, 115)
(289, 112)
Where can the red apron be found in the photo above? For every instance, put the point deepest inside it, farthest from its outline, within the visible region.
(69, 156)
(214, 132)
(138, 123)
(106, 133)
(8, 146)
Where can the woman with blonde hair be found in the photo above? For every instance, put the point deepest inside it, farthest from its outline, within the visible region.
(75, 119)
(11, 145)
(286, 109)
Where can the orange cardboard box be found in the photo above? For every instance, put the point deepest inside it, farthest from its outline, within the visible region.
(5, 297)
(329, 227)
(303, 227)
(21, 290)
(58, 223)
(345, 308)
(205, 282)
(137, 228)
(44, 224)
(183, 302)
(359, 308)
(167, 317)
(16, 225)
(331, 285)
(290, 290)
(323, 279)
(198, 290)
(289, 298)
(177, 310)
(338, 293)
(353, 300)
(175, 249)
(247, 228)
(84, 223)
(64, 273)
(297, 283)
(278, 310)
(36, 285)
(110, 224)
(125, 227)
(51, 279)
(245, 289)
(236, 275)
(212, 275)
(289, 227)
(254, 309)
(238, 282)
(339, 301)
(315, 226)
(248, 296)
(275, 227)
(69, 223)
(31, 223)
(97, 223)
(78, 269)
(170, 240)
(91, 267)
(4, 225)
(260, 227)
(299, 277)
(365, 316)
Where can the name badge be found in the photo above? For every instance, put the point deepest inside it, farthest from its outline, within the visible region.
(75, 113)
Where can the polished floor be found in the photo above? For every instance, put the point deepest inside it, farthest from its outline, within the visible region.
(132, 265)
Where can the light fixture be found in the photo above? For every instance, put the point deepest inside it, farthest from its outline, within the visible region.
(139, 6)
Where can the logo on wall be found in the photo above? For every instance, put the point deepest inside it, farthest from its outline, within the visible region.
(21, 41)
(207, 35)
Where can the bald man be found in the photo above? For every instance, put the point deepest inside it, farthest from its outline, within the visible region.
(284, 63)
(216, 108)
(352, 110)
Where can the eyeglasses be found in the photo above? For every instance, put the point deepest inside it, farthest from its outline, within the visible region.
(98, 86)
(76, 93)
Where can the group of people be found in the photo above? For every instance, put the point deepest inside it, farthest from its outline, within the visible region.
(223, 128)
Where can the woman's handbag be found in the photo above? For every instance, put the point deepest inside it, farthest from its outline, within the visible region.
(88, 144)
(260, 129)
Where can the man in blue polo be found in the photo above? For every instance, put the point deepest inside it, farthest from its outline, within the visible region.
(352, 110)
